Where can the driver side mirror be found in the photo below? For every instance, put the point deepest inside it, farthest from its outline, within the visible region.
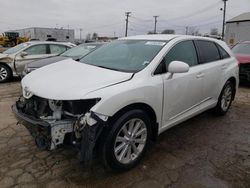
(178, 67)
(23, 54)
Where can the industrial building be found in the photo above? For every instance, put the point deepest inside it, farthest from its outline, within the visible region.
(238, 29)
(47, 34)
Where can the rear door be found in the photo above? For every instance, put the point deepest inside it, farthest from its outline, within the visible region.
(212, 65)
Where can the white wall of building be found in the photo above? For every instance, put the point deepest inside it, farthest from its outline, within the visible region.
(43, 34)
(237, 32)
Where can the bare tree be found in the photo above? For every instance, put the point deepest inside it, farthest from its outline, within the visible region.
(150, 32)
(193, 31)
(94, 36)
(88, 37)
(168, 31)
(214, 31)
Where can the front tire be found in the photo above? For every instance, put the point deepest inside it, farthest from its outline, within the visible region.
(5, 73)
(125, 143)
(225, 99)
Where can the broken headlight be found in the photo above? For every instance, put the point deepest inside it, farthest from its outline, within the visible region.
(79, 107)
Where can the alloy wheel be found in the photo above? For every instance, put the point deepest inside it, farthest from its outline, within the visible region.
(130, 141)
(3, 73)
(226, 98)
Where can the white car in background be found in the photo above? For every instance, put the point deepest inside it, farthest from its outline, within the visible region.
(124, 94)
(13, 60)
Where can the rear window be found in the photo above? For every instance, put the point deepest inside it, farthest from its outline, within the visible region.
(208, 52)
(57, 49)
(242, 48)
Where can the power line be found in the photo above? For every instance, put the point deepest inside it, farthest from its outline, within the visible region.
(205, 9)
(138, 24)
(140, 19)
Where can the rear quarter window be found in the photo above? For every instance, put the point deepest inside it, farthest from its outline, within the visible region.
(223, 53)
(208, 51)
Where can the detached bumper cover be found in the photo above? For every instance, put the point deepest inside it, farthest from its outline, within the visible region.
(39, 129)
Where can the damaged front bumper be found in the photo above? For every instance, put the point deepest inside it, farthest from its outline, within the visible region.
(47, 134)
(83, 130)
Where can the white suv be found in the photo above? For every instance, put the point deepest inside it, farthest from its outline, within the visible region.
(123, 95)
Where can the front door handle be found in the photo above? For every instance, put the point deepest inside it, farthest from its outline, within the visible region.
(200, 75)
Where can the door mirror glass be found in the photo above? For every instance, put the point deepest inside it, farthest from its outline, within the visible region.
(178, 67)
(23, 54)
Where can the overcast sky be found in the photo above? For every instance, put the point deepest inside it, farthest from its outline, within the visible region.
(107, 17)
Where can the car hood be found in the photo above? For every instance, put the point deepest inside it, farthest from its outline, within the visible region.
(43, 62)
(69, 80)
(243, 59)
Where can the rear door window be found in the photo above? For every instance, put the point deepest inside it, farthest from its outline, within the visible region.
(57, 49)
(37, 49)
(208, 51)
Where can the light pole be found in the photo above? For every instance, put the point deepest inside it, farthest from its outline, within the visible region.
(224, 19)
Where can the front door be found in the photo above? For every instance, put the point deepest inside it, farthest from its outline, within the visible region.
(183, 92)
(34, 52)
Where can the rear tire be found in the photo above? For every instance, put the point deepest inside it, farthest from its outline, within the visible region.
(225, 99)
(124, 144)
(5, 73)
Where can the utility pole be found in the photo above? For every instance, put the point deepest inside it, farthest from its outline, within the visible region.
(127, 14)
(80, 34)
(155, 23)
(224, 19)
(187, 30)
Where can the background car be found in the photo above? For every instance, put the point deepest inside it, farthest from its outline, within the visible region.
(75, 53)
(13, 60)
(242, 52)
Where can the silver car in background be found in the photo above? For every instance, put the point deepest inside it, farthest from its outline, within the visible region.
(13, 60)
(75, 53)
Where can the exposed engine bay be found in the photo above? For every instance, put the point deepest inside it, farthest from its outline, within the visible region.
(49, 121)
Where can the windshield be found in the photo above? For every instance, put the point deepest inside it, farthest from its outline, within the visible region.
(80, 51)
(16, 48)
(125, 55)
(242, 48)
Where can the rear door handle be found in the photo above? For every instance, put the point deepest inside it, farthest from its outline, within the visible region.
(200, 75)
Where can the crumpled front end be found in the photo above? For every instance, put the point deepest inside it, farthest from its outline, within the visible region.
(52, 122)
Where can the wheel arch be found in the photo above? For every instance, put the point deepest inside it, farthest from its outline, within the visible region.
(234, 82)
(147, 109)
(5, 64)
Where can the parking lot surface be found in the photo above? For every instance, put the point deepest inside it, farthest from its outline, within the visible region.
(206, 151)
